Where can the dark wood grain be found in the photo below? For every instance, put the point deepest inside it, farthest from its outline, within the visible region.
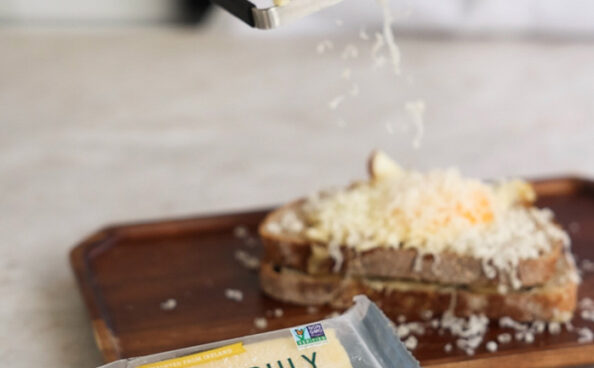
(125, 272)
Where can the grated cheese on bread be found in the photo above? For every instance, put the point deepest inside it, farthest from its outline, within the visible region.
(433, 213)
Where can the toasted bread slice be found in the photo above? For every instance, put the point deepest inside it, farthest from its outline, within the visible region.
(295, 251)
(554, 301)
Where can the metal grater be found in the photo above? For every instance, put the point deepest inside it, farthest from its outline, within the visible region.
(281, 13)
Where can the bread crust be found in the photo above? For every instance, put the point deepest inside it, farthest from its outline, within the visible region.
(554, 301)
(297, 252)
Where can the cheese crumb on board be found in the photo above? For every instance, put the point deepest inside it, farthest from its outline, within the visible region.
(312, 310)
(234, 294)
(554, 328)
(586, 306)
(504, 338)
(491, 346)
(247, 260)
(411, 343)
(260, 323)
(585, 335)
(169, 304)
(241, 232)
(426, 315)
(587, 266)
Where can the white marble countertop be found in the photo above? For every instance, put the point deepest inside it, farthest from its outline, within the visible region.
(101, 126)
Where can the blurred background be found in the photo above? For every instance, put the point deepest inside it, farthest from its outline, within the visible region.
(123, 110)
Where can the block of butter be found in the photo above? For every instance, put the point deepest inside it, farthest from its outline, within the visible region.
(362, 337)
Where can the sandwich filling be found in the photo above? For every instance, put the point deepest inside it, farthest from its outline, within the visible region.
(432, 212)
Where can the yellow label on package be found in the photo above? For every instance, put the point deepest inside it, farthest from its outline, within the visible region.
(279, 352)
(199, 358)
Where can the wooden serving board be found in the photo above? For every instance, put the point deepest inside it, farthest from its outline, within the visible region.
(126, 272)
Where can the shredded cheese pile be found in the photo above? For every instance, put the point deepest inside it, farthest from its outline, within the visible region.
(434, 212)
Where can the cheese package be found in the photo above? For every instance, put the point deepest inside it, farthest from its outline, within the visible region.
(362, 337)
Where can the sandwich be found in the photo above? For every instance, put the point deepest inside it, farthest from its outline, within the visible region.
(422, 242)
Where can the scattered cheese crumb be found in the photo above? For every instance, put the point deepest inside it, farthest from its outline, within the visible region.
(411, 343)
(587, 309)
(401, 318)
(241, 232)
(448, 348)
(434, 323)
(260, 323)
(554, 328)
(250, 242)
(278, 312)
(491, 346)
(508, 322)
(470, 332)
(504, 338)
(569, 326)
(402, 331)
(538, 326)
(574, 227)
(586, 303)
(585, 335)
(247, 260)
(312, 310)
(234, 294)
(426, 315)
(587, 265)
(169, 304)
